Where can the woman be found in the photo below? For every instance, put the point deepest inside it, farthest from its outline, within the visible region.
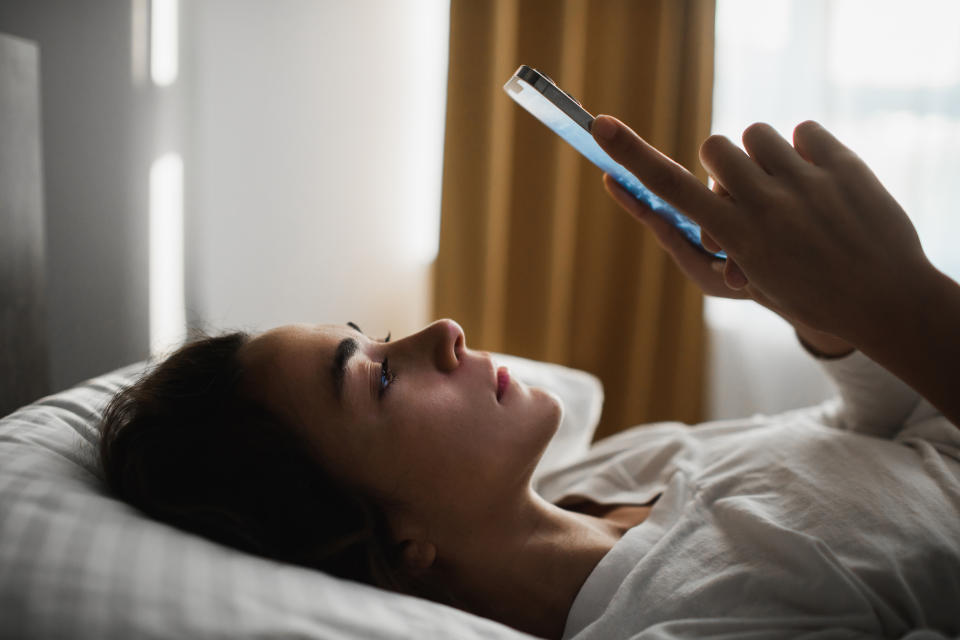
(431, 447)
(407, 464)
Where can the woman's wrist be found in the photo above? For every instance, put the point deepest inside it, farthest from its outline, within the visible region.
(908, 313)
(916, 338)
(822, 345)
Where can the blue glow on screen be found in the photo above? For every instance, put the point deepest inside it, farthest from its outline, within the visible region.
(581, 140)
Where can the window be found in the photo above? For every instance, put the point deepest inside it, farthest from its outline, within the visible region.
(884, 77)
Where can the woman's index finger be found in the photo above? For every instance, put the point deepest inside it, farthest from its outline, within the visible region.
(662, 175)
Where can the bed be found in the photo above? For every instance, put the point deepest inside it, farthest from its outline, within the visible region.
(76, 562)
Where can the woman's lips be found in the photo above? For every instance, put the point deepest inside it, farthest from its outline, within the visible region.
(503, 379)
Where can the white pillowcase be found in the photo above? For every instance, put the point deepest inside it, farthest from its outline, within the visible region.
(75, 562)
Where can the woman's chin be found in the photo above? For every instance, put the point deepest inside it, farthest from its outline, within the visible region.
(549, 408)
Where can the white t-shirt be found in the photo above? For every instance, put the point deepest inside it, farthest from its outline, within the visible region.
(836, 521)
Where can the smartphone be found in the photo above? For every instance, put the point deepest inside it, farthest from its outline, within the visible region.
(552, 106)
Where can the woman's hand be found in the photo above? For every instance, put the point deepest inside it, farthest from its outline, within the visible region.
(716, 277)
(811, 231)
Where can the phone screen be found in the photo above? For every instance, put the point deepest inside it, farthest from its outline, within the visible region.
(577, 134)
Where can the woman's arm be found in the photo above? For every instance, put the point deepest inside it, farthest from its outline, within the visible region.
(812, 234)
(918, 339)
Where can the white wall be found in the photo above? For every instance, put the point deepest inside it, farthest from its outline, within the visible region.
(313, 169)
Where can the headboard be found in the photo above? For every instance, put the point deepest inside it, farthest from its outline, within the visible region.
(23, 344)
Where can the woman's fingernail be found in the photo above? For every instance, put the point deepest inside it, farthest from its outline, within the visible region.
(604, 127)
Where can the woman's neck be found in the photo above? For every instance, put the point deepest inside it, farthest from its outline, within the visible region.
(525, 567)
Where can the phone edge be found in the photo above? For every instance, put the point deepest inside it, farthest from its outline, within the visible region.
(545, 85)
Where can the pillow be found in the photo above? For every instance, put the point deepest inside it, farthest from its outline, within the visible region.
(74, 561)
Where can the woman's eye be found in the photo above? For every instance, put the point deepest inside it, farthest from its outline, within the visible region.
(386, 376)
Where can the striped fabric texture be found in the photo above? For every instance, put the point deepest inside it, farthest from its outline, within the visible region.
(76, 563)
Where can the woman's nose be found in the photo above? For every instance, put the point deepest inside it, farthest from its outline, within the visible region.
(449, 342)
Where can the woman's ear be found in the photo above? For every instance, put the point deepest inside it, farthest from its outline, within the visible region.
(418, 556)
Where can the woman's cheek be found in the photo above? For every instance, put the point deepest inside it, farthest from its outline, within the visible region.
(444, 408)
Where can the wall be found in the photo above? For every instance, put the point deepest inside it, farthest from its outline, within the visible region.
(311, 135)
(316, 147)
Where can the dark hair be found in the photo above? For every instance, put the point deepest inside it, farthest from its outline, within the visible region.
(186, 446)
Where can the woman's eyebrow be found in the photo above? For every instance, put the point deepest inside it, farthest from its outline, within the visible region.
(353, 325)
(345, 350)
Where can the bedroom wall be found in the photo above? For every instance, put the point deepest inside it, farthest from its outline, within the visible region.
(316, 144)
(311, 137)
(95, 150)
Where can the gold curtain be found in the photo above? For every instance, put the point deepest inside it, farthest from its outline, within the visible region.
(535, 259)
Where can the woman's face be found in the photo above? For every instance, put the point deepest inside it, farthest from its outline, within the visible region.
(427, 429)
